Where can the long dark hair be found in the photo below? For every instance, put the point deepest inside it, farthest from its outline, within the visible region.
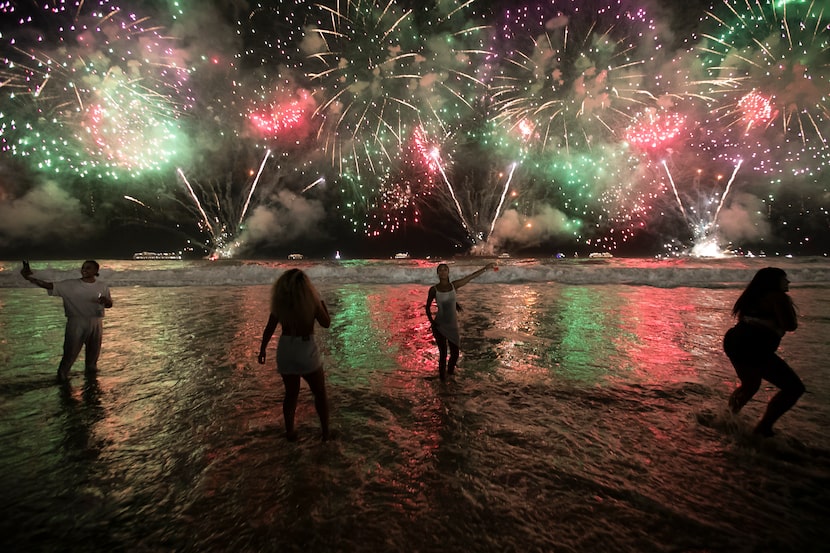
(765, 280)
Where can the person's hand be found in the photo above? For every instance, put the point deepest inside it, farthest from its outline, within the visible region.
(26, 271)
(261, 358)
(490, 265)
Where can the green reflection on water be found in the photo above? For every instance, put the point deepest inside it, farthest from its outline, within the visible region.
(589, 324)
(356, 341)
(31, 331)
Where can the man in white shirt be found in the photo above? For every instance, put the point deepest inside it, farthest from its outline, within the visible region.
(84, 301)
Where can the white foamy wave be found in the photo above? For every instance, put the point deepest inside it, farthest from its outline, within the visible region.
(664, 273)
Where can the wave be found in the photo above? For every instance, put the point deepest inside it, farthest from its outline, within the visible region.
(664, 273)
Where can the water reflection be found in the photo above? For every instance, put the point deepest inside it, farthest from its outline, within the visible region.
(419, 435)
(381, 344)
(518, 343)
(590, 325)
(567, 332)
(31, 333)
(657, 341)
(356, 334)
(82, 412)
(597, 333)
(569, 417)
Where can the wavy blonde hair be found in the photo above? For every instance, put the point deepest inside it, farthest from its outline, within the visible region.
(294, 299)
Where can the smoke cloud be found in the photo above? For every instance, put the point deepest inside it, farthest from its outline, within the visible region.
(45, 213)
(743, 219)
(289, 217)
(514, 228)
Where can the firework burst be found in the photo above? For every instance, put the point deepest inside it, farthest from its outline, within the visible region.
(92, 91)
(699, 195)
(769, 68)
(663, 142)
(376, 78)
(655, 130)
(283, 117)
(572, 72)
(407, 189)
(220, 212)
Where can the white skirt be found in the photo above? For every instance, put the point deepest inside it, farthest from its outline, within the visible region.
(298, 355)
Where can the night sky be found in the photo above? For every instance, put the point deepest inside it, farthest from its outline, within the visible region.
(256, 129)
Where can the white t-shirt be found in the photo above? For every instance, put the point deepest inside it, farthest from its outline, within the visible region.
(80, 299)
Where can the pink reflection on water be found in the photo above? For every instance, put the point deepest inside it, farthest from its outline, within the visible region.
(418, 436)
(660, 341)
(519, 322)
(654, 321)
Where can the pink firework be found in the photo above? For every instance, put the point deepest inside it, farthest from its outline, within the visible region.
(284, 119)
(756, 109)
(655, 130)
(525, 129)
(429, 153)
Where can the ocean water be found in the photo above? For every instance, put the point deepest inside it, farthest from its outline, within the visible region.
(588, 414)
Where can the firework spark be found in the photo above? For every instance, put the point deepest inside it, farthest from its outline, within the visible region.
(501, 200)
(572, 70)
(92, 91)
(319, 180)
(768, 68)
(376, 79)
(253, 188)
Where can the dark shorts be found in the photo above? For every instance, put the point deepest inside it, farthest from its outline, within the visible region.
(751, 349)
(747, 343)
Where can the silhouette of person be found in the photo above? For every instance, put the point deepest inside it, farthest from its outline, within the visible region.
(296, 305)
(84, 301)
(765, 312)
(444, 323)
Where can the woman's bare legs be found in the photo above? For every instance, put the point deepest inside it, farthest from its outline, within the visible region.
(454, 352)
(779, 373)
(776, 371)
(317, 383)
(441, 342)
(289, 404)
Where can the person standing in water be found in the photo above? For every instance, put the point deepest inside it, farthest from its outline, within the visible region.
(84, 302)
(765, 312)
(444, 323)
(296, 305)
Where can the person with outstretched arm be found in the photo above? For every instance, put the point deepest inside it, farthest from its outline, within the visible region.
(444, 322)
(84, 302)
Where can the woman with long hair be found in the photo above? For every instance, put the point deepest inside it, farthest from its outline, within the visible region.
(765, 312)
(296, 305)
(444, 323)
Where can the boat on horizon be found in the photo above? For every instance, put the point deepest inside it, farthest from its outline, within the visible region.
(157, 256)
